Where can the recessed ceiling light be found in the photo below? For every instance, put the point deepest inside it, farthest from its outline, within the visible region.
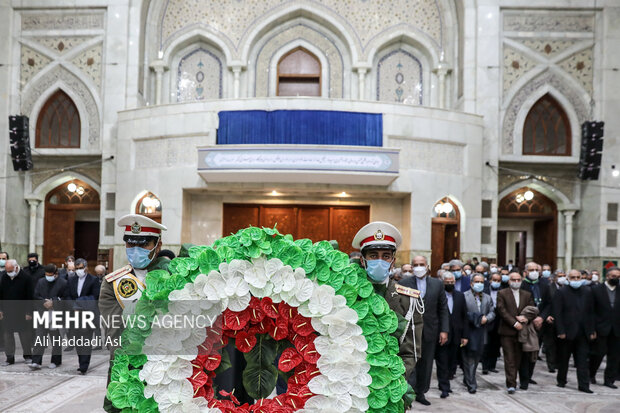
(274, 193)
(343, 194)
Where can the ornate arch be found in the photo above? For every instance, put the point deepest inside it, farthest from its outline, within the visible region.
(548, 82)
(41, 190)
(38, 92)
(554, 194)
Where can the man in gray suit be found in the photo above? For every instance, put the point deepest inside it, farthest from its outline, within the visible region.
(480, 312)
(436, 324)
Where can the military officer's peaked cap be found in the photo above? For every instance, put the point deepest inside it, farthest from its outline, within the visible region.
(377, 234)
(138, 227)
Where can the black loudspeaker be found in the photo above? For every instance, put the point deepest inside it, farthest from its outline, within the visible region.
(19, 138)
(591, 150)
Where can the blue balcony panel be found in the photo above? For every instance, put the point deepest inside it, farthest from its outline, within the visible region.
(300, 127)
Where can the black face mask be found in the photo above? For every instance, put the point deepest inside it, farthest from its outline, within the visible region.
(449, 287)
(613, 281)
(32, 263)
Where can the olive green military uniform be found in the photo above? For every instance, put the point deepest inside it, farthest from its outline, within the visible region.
(402, 304)
(118, 289)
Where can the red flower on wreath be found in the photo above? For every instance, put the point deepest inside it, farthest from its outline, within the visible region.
(262, 316)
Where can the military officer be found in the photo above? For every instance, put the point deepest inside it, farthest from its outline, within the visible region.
(123, 287)
(378, 242)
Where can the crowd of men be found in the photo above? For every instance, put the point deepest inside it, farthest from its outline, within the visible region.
(32, 288)
(465, 315)
(484, 309)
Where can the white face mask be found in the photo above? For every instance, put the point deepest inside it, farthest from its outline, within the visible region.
(419, 271)
(468, 272)
(80, 273)
(594, 278)
(493, 270)
(12, 274)
(562, 281)
(406, 274)
(532, 275)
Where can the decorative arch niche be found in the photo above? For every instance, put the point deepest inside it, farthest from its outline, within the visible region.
(58, 123)
(149, 205)
(546, 130)
(299, 73)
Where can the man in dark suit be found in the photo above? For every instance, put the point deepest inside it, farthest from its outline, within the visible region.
(491, 348)
(16, 311)
(607, 313)
(573, 311)
(539, 288)
(510, 303)
(445, 356)
(83, 290)
(462, 279)
(436, 324)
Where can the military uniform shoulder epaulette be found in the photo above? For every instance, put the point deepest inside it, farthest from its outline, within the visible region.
(118, 273)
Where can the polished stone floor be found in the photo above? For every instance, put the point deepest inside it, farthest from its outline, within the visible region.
(65, 390)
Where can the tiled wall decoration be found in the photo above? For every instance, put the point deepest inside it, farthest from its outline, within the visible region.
(515, 65)
(313, 37)
(365, 20)
(580, 66)
(543, 21)
(548, 47)
(31, 63)
(199, 76)
(60, 44)
(90, 63)
(62, 19)
(555, 42)
(399, 78)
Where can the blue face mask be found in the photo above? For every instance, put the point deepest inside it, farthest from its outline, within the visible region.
(2, 263)
(478, 287)
(576, 284)
(505, 278)
(139, 257)
(546, 273)
(378, 270)
(50, 278)
(457, 274)
(495, 285)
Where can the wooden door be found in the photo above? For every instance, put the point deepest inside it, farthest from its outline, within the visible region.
(301, 221)
(452, 236)
(87, 242)
(501, 247)
(345, 222)
(544, 242)
(313, 223)
(282, 217)
(239, 216)
(59, 233)
(438, 233)
(522, 251)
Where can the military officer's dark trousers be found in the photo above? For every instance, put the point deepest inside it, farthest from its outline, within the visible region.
(579, 349)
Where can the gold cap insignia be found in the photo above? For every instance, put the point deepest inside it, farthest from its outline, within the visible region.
(136, 228)
(379, 235)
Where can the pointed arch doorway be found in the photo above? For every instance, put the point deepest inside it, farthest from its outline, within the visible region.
(445, 233)
(527, 228)
(71, 224)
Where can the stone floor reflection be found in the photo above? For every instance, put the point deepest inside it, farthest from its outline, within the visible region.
(65, 390)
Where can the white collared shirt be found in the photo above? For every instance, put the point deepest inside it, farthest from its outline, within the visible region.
(611, 287)
(80, 284)
(515, 293)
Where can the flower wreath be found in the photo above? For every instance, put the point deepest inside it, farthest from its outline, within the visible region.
(262, 289)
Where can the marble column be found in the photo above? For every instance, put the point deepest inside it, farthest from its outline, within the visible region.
(568, 251)
(236, 81)
(33, 204)
(361, 79)
(442, 70)
(158, 66)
